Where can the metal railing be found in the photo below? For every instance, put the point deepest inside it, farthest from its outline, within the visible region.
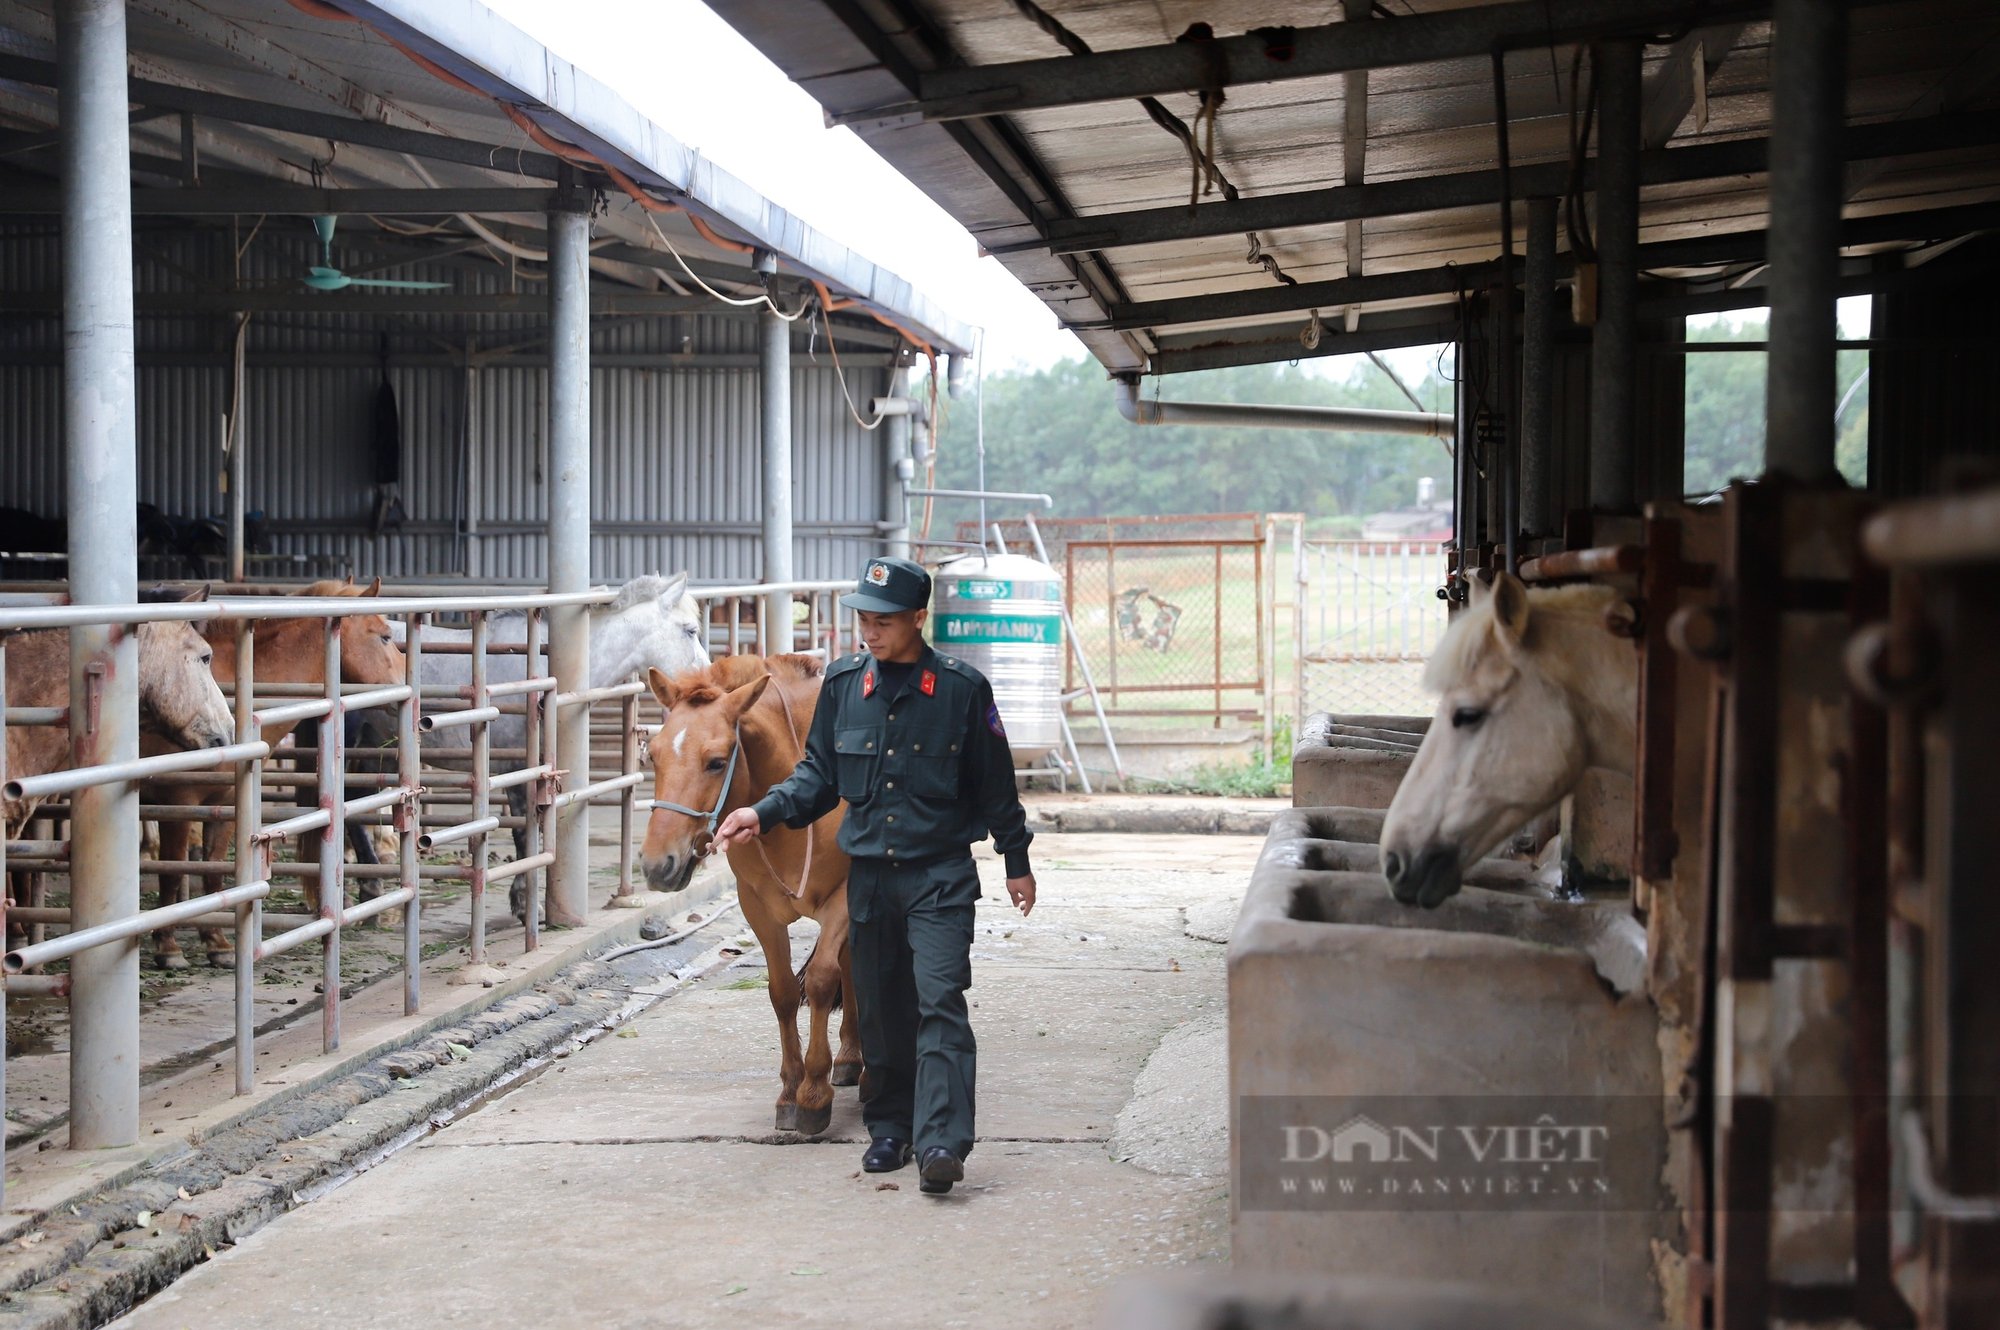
(737, 621)
(1367, 617)
(427, 808)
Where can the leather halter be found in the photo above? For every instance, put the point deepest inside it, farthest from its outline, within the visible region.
(704, 841)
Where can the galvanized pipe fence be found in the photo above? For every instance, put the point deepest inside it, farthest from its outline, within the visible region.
(456, 800)
(428, 809)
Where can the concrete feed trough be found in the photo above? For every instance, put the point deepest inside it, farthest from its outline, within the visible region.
(1385, 1064)
(1353, 761)
(1349, 840)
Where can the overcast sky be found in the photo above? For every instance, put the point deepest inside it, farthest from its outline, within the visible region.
(690, 73)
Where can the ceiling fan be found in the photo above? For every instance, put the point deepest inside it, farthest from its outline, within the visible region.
(326, 277)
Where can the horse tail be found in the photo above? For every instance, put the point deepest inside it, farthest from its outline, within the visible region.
(801, 978)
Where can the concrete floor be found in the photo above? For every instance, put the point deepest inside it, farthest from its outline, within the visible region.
(638, 1182)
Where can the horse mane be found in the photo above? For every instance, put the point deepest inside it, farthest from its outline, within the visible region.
(330, 587)
(1468, 638)
(645, 587)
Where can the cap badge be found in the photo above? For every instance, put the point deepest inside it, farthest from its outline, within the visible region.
(878, 574)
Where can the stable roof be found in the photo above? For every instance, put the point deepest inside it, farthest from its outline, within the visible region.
(416, 108)
(1360, 155)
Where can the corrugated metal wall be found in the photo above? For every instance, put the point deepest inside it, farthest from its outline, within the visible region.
(675, 447)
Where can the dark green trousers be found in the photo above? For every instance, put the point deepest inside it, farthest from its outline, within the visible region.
(910, 935)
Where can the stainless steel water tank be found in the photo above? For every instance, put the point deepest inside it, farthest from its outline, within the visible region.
(1002, 615)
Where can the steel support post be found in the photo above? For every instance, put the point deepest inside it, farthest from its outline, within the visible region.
(101, 467)
(1808, 105)
(569, 546)
(898, 470)
(774, 374)
(1538, 366)
(1614, 343)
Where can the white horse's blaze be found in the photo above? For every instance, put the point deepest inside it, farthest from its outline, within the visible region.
(680, 741)
(1533, 690)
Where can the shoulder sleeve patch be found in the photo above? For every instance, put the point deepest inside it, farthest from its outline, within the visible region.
(993, 722)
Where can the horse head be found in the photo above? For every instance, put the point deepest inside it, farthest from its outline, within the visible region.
(1530, 689)
(697, 765)
(652, 624)
(368, 650)
(178, 696)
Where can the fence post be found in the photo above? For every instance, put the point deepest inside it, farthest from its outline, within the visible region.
(98, 423)
(569, 545)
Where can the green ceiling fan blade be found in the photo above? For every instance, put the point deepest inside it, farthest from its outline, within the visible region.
(399, 285)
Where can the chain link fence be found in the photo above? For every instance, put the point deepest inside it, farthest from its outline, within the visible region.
(1174, 630)
(1368, 618)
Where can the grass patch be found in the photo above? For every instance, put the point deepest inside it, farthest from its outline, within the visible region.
(749, 982)
(1264, 776)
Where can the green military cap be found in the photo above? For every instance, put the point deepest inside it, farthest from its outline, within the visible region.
(889, 585)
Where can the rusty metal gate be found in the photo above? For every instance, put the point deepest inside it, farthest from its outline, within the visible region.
(1173, 629)
(1367, 618)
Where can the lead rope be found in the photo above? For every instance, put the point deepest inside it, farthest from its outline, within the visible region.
(805, 874)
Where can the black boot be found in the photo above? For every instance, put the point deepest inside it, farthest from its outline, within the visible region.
(886, 1154)
(940, 1169)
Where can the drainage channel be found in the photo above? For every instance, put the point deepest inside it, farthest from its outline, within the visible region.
(642, 999)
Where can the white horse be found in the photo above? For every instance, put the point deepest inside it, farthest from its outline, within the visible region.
(653, 623)
(1533, 690)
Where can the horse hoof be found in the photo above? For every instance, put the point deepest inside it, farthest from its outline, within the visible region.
(517, 897)
(846, 1073)
(788, 1117)
(171, 961)
(222, 960)
(813, 1121)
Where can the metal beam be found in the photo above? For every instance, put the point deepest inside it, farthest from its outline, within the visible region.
(248, 201)
(1261, 346)
(1273, 54)
(1808, 98)
(1615, 335)
(15, 145)
(165, 98)
(1670, 95)
(1281, 299)
(1694, 252)
(1354, 134)
(302, 300)
(1538, 369)
(1466, 189)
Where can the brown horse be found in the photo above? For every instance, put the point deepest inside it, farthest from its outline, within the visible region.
(180, 706)
(733, 731)
(286, 651)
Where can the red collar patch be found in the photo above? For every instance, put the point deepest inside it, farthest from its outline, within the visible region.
(929, 683)
(868, 684)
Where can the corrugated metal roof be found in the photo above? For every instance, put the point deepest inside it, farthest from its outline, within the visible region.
(276, 55)
(1052, 180)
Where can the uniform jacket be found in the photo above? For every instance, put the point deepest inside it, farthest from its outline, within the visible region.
(925, 773)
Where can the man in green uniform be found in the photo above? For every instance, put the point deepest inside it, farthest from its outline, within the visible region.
(913, 742)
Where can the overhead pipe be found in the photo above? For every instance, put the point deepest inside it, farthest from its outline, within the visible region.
(1345, 419)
